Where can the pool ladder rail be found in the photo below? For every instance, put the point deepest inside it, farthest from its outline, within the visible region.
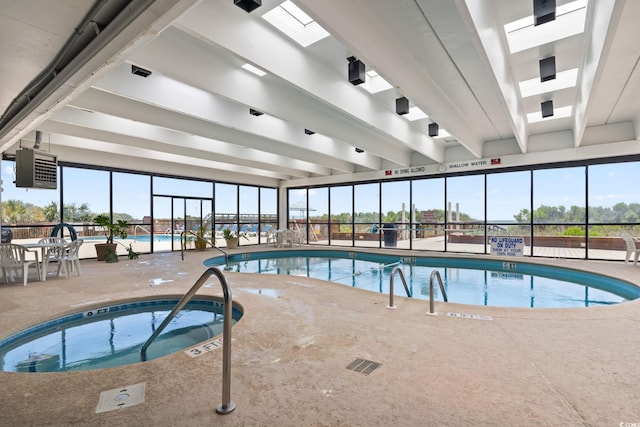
(227, 404)
(435, 274)
(209, 242)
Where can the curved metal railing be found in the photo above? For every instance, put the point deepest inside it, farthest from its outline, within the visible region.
(135, 231)
(435, 274)
(227, 404)
(209, 242)
(395, 270)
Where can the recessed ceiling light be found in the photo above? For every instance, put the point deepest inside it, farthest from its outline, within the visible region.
(255, 70)
(558, 113)
(139, 71)
(293, 22)
(570, 20)
(248, 5)
(563, 80)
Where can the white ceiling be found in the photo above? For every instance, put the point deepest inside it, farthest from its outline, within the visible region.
(191, 116)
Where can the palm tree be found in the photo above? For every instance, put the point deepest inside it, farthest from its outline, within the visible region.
(34, 214)
(13, 211)
(51, 212)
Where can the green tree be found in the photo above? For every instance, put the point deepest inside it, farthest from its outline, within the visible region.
(523, 216)
(33, 214)
(77, 213)
(390, 217)
(13, 211)
(51, 212)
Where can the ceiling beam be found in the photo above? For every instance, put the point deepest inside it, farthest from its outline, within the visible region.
(373, 39)
(391, 137)
(66, 122)
(158, 116)
(133, 27)
(223, 119)
(599, 18)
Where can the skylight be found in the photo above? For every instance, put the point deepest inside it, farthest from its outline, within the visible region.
(293, 22)
(255, 70)
(415, 113)
(570, 20)
(374, 83)
(563, 80)
(558, 113)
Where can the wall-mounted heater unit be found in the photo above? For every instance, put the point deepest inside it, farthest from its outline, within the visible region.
(36, 169)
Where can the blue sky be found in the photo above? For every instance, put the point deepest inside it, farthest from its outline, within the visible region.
(507, 193)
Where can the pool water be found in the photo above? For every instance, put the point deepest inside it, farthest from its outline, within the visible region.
(465, 281)
(111, 336)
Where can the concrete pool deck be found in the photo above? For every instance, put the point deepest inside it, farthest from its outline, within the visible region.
(291, 349)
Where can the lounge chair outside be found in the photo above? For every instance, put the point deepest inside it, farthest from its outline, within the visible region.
(266, 230)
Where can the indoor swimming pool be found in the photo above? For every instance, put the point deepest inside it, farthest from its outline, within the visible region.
(466, 280)
(108, 336)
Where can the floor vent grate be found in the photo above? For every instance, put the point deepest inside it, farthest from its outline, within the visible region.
(363, 366)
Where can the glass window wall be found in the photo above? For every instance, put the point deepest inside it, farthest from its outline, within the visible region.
(559, 213)
(249, 214)
(318, 215)
(366, 202)
(509, 206)
(614, 209)
(465, 214)
(298, 213)
(268, 213)
(341, 216)
(428, 199)
(396, 211)
(132, 202)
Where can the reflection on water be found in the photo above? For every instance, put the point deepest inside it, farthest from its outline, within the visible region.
(463, 285)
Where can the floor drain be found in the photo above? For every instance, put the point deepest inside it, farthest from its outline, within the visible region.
(363, 366)
(122, 397)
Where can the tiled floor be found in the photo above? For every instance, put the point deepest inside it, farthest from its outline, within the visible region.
(292, 349)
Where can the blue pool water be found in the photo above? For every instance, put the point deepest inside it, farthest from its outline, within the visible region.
(466, 281)
(104, 337)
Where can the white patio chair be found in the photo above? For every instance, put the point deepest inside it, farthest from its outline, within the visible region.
(298, 238)
(14, 258)
(70, 259)
(287, 238)
(272, 239)
(631, 248)
(50, 253)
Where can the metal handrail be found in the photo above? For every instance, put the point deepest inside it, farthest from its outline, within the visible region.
(436, 274)
(397, 269)
(227, 404)
(209, 241)
(135, 231)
